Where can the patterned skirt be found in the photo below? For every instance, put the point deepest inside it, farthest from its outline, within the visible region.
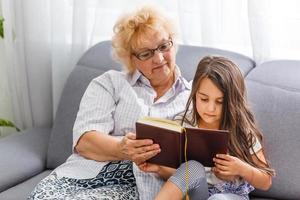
(115, 181)
(241, 189)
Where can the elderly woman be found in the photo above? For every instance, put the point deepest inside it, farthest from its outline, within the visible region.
(104, 143)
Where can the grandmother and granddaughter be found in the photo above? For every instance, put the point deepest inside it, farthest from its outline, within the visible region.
(108, 162)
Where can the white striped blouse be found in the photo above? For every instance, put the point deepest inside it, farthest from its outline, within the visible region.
(112, 103)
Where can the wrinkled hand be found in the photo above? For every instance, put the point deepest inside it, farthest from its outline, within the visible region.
(162, 171)
(228, 167)
(149, 167)
(137, 150)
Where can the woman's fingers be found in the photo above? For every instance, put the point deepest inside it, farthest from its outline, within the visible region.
(143, 157)
(148, 167)
(130, 140)
(131, 136)
(138, 151)
(145, 149)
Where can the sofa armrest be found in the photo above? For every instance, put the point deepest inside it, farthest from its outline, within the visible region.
(22, 155)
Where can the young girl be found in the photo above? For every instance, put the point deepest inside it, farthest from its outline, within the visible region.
(218, 101)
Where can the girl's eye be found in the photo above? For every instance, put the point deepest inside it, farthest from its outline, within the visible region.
(219, 102)
(204, 100)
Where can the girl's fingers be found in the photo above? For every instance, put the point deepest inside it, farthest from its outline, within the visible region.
(223, 173)
(220, 167)
(224, 157)
(220, 161)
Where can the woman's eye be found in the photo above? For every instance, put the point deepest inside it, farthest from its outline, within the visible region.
(144, 54)
(163, 47)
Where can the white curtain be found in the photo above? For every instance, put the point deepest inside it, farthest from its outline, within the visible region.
(45, 38)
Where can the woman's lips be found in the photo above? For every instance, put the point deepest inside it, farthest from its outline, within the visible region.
(158, 67)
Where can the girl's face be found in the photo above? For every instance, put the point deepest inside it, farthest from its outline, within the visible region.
(209, 104)
(159, 68)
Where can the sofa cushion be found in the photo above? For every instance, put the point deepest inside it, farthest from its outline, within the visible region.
(188, 58)
(93, 63)
(274, 94)
(22, 190)
(22, 155)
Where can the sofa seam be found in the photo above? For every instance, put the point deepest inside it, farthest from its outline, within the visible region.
(290, 89)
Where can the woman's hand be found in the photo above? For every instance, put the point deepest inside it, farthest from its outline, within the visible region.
(228, 167)
(149, 167)
(137, 150)
(162, 171)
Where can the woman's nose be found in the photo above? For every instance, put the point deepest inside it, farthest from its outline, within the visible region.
(158, 57)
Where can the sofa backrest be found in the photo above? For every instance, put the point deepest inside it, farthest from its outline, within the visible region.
(274, 94)
(93, 63)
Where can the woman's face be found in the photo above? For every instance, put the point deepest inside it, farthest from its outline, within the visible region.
(209, 103)
(159, 68)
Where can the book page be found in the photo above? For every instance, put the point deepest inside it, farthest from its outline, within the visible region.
(162, 123)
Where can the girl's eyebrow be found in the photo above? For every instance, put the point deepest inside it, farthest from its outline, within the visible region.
(207, 95)
(202, 94)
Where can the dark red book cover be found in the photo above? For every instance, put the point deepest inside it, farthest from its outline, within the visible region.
(169, 141)
(202, 144)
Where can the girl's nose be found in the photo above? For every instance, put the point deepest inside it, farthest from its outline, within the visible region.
(211, 106)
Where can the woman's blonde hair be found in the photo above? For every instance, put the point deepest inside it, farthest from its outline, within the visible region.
(131, 29)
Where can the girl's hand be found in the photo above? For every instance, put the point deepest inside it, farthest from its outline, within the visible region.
(223, 177)
(162, 171)
(137, 150)
(228, 167)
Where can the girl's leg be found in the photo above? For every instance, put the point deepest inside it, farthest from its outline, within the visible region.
(175, 187)
(227, 196)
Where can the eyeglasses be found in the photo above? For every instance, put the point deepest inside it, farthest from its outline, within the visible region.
(149, 53)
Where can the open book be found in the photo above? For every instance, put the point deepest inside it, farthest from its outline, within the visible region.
(201, 144)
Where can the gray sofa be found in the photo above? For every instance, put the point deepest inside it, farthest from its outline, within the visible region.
(274, 93)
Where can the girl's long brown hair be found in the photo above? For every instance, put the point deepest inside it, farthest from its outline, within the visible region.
(236, 115)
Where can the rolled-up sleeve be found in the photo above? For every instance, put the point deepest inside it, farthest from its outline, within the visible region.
(96, 108)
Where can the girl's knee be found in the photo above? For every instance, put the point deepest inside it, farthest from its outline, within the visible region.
(195, 168)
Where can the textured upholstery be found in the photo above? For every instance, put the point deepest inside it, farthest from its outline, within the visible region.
(274, 93)
(22, 155)
(189, 56)
(22, 190)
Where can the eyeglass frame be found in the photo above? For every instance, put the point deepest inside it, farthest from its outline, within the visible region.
(153, 50)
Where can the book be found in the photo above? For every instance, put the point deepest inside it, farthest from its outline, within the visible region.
(202, 144)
